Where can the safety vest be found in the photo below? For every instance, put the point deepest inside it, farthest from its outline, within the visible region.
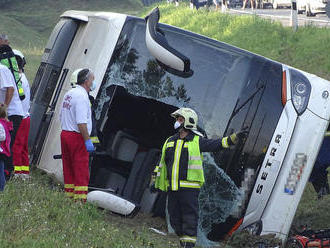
(7, 58)
(195, 173)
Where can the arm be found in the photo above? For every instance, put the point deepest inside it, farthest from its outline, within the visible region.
(214, 145)
(9, 95)
(83, 130)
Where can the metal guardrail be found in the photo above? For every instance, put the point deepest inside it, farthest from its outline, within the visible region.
(149, 2)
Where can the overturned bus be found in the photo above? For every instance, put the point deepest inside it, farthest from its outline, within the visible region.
(145, 71)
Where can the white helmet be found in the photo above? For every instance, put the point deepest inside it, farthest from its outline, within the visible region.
(190, 117)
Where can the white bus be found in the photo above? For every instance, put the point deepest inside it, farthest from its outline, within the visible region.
(145, 71)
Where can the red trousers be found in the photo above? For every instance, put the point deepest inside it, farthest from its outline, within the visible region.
(20, 148)
(75, 160)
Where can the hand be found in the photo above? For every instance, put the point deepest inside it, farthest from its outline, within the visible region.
(89, 145)
(243, 133)
(236, 137)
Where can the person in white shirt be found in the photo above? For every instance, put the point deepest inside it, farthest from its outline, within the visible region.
(20, 147)
(9, 96)
(76, 123)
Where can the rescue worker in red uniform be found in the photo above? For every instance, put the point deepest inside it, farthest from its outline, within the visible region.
(76, 122)
(180, 172)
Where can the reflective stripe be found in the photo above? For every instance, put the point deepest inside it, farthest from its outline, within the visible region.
(327, 133)
(175, 169)
(224, 142)
(81, 188)
(195, 158)
(185, 145)
(161, 165)
(187, 184)
(170, 144)
(69, 186)
(191, 239)
(17, 168)
(195, 167)
(158, 174)
(95, 139)
(80, 196)
(25, 168)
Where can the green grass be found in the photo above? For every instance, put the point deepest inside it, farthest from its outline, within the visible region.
(37, 214)
(29, 23)
(313, 212)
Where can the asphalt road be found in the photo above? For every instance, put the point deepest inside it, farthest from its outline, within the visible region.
(284, 15)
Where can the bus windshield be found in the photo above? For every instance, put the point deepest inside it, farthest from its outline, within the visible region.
(229, 89)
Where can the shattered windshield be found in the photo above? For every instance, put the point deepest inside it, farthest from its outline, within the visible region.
(221, 73)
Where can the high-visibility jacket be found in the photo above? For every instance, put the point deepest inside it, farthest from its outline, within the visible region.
(7, 58)
(181, 163)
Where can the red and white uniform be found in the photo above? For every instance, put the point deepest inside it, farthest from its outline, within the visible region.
(20, 147)
(75, 109)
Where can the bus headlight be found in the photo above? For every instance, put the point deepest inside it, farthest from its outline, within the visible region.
(300, 91)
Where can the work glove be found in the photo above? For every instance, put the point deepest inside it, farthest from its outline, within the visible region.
(236, 137)
(89, 145)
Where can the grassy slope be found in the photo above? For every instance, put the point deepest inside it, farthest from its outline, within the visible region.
(305, 49)
(29, 23)
(36, 214)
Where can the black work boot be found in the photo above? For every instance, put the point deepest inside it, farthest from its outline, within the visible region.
(187, 244)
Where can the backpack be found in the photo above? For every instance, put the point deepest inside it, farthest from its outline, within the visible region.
(7, 58)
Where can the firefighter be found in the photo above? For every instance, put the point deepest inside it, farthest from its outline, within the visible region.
(76, 122)
(20, 147)
(180, 172)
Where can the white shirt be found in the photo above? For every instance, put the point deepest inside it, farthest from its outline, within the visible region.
(76, 109)
(26, 101)
(2, 134)
(7, 80)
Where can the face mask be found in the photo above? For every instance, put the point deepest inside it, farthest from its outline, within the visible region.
(93, 86)
(177, 124)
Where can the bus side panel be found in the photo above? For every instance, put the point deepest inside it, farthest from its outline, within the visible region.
(306, 141)
(46, 81)
(91, 48)
(271, 166)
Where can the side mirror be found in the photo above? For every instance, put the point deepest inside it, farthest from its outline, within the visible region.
(168, 58)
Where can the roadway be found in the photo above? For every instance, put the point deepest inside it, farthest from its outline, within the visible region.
(283, 15)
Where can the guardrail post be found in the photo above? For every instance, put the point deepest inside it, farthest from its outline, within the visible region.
(294, 15)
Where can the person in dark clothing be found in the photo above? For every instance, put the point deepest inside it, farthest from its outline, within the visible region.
(319, 175)
(180, 172)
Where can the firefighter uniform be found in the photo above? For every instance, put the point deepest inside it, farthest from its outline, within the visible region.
(75, 110)
(180, 173)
